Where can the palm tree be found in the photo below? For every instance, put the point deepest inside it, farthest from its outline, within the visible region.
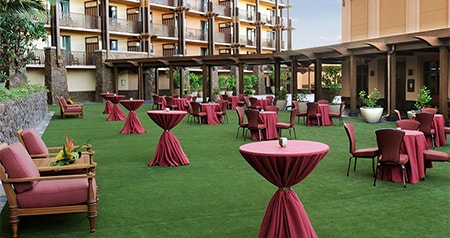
(20, 6)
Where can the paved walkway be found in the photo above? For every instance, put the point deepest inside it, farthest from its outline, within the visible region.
(40, 129)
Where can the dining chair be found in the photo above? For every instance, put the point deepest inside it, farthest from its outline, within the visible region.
(446, 131)
(272, 108)
(434, 156)
(270, 98)
(223, 112)
(246, 101)
(253, 124)
(169, 103)
(431, 110)
(300, 114)
(196, 112)
(426, 125)
(338, 115)
(254, 103)
(290, 125)
(312, 113)
(190, 113)
(29, 194)
(157, 103)
(241, 121)
(398, 114)
(389, 142)
(367, 153)
(407, 124)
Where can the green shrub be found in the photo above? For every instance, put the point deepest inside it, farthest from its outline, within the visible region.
(20, 92)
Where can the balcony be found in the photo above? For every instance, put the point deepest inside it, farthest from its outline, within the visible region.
(78, 20)
(123, 25)
(168, 3)
(197, 5)
(222, 10)
(162, 30)
(196, 34)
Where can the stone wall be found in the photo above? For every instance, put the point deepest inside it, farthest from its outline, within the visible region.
(21, 113)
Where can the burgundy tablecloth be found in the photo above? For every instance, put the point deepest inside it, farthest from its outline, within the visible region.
(211, 109)
(263, 103)
(168, 151)
(132, 124)
(284, 167)
(270, 119)
(438, 125)
(180, 102)
(324, 109)
(414, 143)
(108, 104)
(116, 113)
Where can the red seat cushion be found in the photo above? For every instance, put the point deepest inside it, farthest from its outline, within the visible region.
(33, 142)
(56, 193)
(435, 155)
(18, 164)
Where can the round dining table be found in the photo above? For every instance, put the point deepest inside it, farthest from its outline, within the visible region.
(284, 167)
(132, 124)
(108, 105)
(116, 113)
(168, 151)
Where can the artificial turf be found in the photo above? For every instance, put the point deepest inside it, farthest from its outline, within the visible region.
(219, 195)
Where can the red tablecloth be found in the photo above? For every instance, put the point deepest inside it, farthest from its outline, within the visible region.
(132, 123)
(284, 167)
(181, 103)
(324, 109)
(234, 101)
(211, 109)
(108, 104)
(116, 113)
(263, 103)
(168, 151)
(439, 124)
(270, 119)
(414, 143)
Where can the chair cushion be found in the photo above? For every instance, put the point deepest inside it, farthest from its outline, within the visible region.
(56, 193)
(18, 164)
(366, 152)
(33, 142)
(435, 155)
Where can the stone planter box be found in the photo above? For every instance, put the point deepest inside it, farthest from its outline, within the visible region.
(21, 113)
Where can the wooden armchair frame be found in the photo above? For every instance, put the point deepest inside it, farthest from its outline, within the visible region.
(69, 110)
(16, 211)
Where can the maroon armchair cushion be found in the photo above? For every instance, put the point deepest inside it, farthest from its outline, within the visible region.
(18, 164)
(33, 142)
(56, 193)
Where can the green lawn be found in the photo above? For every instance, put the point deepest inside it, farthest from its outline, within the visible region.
(220, 195)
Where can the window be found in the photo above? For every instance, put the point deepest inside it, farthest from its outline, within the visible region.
(203, 51)
(65, 8)
(271, 18)
(113, 45)
(251, 12)
(65, 43)
(113, 12)
(251, 36)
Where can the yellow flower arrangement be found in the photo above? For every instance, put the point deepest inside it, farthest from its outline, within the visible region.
(68, 154)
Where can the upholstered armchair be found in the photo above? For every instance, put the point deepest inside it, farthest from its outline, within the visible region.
(68, 110)
(37, 148)
(30, 194)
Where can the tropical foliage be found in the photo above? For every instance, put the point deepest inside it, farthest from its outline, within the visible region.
(371, 99)
(423, 98)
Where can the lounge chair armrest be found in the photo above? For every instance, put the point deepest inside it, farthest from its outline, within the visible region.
(31, 179)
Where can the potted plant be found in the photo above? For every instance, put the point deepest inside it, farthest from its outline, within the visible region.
(216, 94)
(282, 98)
(250, 82)
(223, 81)
(422, 100)
(231, 85)
(371, 112)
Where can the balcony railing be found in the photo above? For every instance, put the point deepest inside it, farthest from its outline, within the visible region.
(197, 5)
(123, 25)
(78, 20)
(222, 10)
(163, 30)
(222, 37)
(196, 34)
(169, 3)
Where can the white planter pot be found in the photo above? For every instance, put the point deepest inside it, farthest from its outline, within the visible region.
(371, 115)
(281, 104)
(230, 93)
(411, 114)
(335, 108)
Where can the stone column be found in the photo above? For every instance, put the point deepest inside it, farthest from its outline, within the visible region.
(55, 75)
(104, 76)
